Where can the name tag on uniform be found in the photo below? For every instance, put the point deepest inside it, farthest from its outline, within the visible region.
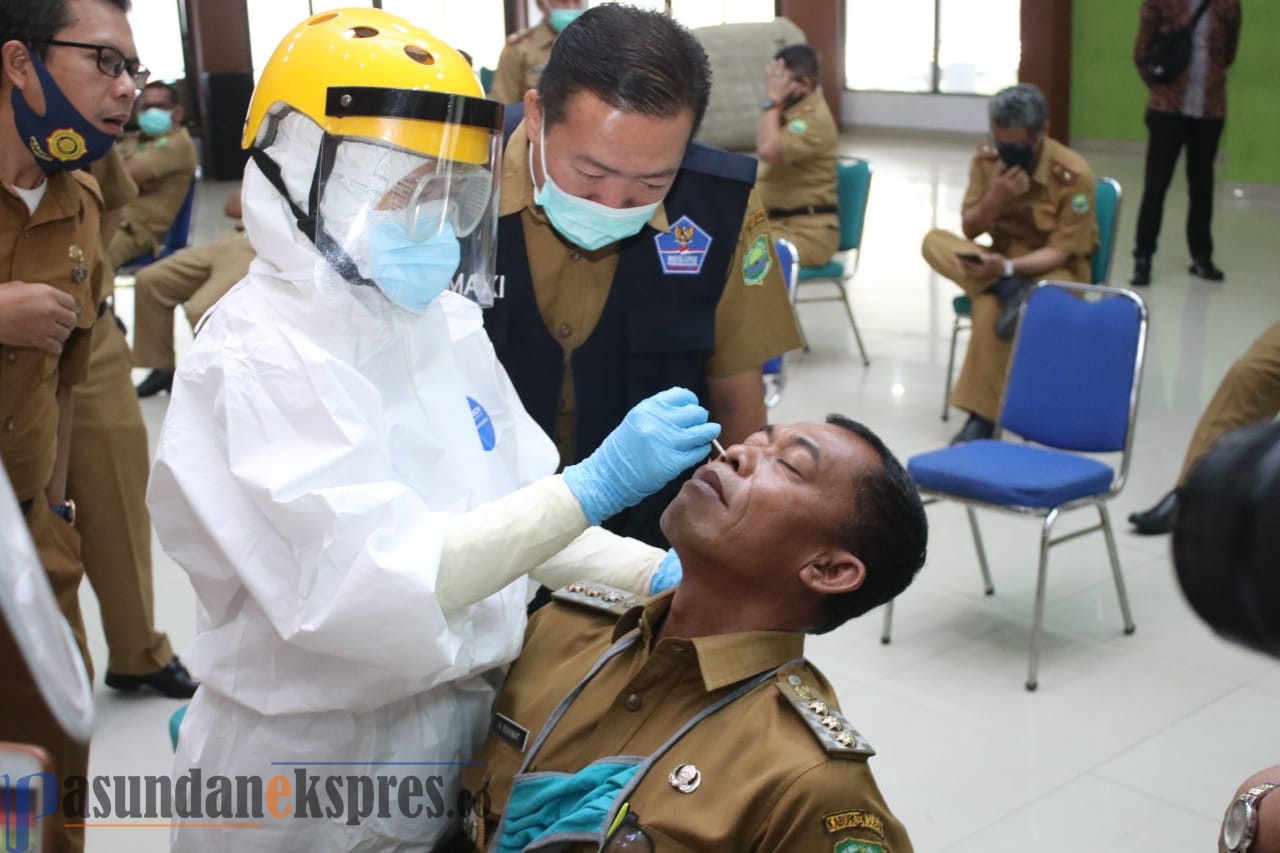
(682, 248)
(507, 729)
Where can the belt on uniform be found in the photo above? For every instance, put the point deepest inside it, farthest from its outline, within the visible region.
(26, 506)
(807, 210)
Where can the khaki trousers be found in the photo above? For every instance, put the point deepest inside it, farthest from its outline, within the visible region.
(127, 243)
(107, 478)
(195, 278)
(24, 715)
(1249, 393)
(816, 237)
(980, 385)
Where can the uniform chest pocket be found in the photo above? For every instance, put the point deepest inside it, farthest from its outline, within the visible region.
(672, 327)
(1044, 214)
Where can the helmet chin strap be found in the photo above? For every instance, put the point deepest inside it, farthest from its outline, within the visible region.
(308, 223)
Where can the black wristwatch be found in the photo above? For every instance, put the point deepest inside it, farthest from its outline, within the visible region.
(1241, 825)
(65, 510)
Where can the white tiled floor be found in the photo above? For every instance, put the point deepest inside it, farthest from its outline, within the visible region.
(1131, 743)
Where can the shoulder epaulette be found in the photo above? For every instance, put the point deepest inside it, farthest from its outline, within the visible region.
(597, 596)
(987, 151)
(836, 734)
(519, 35)
(1064, 174)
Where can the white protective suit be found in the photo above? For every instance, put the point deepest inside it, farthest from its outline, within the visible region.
(318, 449)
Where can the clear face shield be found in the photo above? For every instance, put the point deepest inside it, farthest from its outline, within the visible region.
(406, 196)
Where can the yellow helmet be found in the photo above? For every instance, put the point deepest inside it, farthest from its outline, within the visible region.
(369, 74)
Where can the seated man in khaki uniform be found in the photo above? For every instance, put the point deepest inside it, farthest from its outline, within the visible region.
(521, 62)
(1034, 196)
(796, 143)
(194, 278)
(161, 159)
(692, 721)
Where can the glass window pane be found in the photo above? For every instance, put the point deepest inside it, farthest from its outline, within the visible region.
(980, 45)
(890, 50)
(158, 36)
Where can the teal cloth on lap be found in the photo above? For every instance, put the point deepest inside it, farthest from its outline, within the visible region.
(554, 803)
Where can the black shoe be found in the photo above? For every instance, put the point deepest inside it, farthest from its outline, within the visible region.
(975, 428)
(1007, 322)
(1159, 519)
(1141, 270)
(156, 381)
(1204, 268)
(173, 681)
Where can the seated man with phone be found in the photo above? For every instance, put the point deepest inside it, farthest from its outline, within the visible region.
(1034, 197)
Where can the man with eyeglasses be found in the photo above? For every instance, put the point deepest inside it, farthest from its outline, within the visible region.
(161, 159)
(67, 84)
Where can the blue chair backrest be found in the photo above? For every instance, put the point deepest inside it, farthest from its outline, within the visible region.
(853, 188)
(179, 234)
(1107, 211)
(486, 79)
(787, 266)
(1076, 364)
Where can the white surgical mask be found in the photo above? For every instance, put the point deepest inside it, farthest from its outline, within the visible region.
(581, 221)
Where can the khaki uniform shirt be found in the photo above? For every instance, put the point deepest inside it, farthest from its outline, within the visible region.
(754, 322)
(779, 768)
(807, 174)
(172, 161)
(521, 62)
(59, 245)
(118, 190)
(1056, 211)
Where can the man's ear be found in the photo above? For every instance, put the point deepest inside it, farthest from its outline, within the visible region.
(833, 572)
(19, 72)
(532, 114)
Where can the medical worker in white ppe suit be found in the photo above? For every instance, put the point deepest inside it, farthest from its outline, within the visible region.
(345, 471)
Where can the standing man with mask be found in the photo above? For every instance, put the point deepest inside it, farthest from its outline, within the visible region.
(161, 159)
(1034, 196)
(796, 145)
(345, 471)
(68, 81)
(1188, 111)
(522, 60)
(631, 257)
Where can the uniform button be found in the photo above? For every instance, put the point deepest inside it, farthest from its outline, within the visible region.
(632, 702)
(9, 425)
(575, 256)
(565, 330)
(76, 309)
(678, 648)
(11, 357)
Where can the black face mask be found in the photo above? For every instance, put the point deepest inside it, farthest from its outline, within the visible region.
(1015, 154)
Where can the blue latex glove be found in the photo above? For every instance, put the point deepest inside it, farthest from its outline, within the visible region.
(669, 573)
(659, 438)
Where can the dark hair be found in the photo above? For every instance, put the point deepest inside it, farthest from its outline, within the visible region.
(634, 60)
(800, 59)
(1022, 106)
(37, 21)
(886, 529)
(169, 90)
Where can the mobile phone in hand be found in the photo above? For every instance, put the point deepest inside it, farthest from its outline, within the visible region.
(971, 257)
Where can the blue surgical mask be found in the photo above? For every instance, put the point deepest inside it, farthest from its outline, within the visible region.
(561, 18)
(581, 221)
(411, 272)
(155, 121)
(61, 139)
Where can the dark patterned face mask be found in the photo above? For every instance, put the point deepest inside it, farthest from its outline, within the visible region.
(61, 139)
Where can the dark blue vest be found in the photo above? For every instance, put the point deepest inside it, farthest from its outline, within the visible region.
(655, 331)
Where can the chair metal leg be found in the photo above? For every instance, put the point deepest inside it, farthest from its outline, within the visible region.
(951, 369)
(857, 336)
(888, 623)
(1105, 517)
(988, 587)
(1037, 623)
